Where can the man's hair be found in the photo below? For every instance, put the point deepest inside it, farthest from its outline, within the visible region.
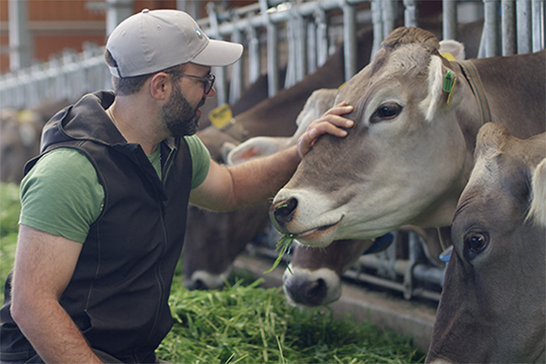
(130, 85)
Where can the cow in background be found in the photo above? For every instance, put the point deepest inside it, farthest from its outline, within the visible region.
(494, 298)
(20, 133)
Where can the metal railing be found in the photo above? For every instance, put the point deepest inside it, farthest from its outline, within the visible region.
(307, 31)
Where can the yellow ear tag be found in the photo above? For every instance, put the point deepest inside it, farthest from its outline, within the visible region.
(342, 85)
(448, 56)
(220, 116)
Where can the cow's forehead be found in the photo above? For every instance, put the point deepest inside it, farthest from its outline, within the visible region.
(409, 60)
(406, 58)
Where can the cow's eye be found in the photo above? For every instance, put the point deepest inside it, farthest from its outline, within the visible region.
(475, 243)
(386, 112)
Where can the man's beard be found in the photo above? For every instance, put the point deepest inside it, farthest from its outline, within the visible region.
(181, 118)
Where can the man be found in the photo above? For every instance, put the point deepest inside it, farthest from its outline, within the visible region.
(104, 206)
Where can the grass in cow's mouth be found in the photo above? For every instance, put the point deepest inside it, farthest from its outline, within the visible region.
(283, 247)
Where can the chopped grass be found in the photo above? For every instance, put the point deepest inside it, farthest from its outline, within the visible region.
(254, 325)
(283, 247)
(245, 324)
(10, 208)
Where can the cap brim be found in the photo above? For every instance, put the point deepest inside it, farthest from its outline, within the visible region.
(219, 53)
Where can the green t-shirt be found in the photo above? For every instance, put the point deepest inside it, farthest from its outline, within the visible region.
(62, 195)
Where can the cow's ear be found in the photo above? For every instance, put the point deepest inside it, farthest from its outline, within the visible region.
(256, 148)
(537, 212)
(444, 90)
(456, 49)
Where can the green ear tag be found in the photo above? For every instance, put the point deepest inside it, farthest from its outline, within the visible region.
(449, 85)
(448, 82)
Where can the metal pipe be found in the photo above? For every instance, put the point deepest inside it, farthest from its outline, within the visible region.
(410, 13)
(538, 25)
(491, 25)
(272, 51)
(449, 17)
(237, 80)
(311, 47)
(525, 37)
(301, 47)
(377, 21)
(389, 16)
(254, 61)
(20, 40)
(349, 38)
(220, 72)
(322, 36)
(508, 13)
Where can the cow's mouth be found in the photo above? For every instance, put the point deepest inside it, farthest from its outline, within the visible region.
(320, 236)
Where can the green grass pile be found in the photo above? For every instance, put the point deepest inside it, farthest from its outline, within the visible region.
(254, 325)
(10, 208)
(244, 324)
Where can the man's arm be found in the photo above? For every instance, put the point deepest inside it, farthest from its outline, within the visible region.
(44, 264)
(226, 188)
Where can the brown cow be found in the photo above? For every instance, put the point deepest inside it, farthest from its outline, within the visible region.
(492, 309)
(409, 156)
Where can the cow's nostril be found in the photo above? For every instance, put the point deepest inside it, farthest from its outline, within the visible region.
(316, 291)
(284, 212)
(307, 292)
(198, 284)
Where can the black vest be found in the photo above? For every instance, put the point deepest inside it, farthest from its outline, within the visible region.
(120, 288)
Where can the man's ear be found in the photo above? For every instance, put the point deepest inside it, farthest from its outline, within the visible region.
(159, 86)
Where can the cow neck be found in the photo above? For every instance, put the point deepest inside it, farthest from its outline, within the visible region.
(235, 130)
(473, 77)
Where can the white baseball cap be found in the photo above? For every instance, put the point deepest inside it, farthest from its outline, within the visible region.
(153, 40)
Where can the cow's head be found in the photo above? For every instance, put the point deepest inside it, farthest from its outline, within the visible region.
(402, 163)
(314, 274)
(493, 300)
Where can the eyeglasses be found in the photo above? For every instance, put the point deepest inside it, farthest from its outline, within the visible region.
(208, 81)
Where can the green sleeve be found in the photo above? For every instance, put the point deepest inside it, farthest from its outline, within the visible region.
(200, 158)
(62, 195)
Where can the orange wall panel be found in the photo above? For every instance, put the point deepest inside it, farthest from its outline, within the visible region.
(45, 46)
(59, 10)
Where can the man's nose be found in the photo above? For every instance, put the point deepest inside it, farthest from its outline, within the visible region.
(211, 93)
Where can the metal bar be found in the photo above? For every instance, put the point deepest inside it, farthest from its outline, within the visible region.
(538, 25)
(410, 13)
(220, 72)
(349, 39)
(508, 15)
(377, 21)
(449, 17)
(491, 25)
(272, 51)
(311, 47)
(236, 84)
(20, 40)
(389, 16)
(290, 78)
(322, 36)
(300, 24)
(525, 38)
(254, 61)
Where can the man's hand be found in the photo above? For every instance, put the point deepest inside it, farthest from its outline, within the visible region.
(330, 123)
